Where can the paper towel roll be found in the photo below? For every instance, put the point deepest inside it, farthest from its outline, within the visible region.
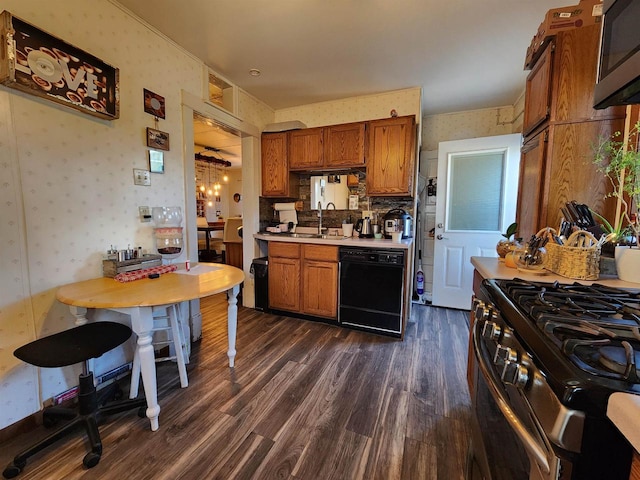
(278, 207)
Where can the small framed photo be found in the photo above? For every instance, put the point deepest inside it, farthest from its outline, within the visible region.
(153, 104)
(157, 139)
(156, 161)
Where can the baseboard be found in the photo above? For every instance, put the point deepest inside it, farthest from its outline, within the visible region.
(25, 425)
(34, 420)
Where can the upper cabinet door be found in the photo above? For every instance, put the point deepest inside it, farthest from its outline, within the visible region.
(576, 67)
(344, 145)
(538, 91)
(306, 149)
(391, 156)
(275, 169)
(531, 214)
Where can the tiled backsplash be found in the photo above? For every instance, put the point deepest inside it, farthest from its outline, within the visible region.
(308, 217)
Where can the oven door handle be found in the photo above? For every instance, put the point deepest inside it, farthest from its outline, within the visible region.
(529, 442)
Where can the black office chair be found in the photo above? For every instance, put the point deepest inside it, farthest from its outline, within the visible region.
(76, 345)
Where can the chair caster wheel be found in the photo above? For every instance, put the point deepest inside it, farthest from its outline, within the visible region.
(91, 459)
(12, 471)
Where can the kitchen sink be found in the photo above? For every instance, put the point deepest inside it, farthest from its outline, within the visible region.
(302, 235)
(309, 235)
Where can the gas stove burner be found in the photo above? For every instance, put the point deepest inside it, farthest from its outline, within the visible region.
(605, 359)
(589, 302)
(621, 359)
(593, 327)
(613, 358)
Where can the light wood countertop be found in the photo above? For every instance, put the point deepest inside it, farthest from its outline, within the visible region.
(203, 280)
(490, 267)
(339, 241)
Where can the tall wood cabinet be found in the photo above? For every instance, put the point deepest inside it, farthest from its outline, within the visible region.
(391, 156)
(277, 180)
(560, 128)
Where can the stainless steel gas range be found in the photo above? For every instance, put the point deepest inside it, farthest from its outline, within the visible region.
(547, 358)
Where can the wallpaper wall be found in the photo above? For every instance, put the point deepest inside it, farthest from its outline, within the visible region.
(355, 109)
(66, 178)
(66, 182)
(470, 124)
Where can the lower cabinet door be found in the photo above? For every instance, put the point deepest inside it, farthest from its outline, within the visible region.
(284, 284)
(320, 289)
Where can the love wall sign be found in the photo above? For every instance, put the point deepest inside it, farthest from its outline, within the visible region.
(43, 65)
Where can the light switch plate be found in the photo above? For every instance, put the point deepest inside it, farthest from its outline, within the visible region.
(367, 213)
(141, 177)
(145, 214)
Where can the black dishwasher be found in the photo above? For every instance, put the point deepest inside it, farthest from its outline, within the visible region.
(371, 289)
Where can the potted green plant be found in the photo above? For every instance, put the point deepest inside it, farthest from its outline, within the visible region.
(508, 244)
(619, 159)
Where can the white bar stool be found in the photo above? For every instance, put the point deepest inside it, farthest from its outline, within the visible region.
(166, 319)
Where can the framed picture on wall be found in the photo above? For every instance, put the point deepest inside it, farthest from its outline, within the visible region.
(156, 161)
(40, 64)
(153, 104)
(157, 139)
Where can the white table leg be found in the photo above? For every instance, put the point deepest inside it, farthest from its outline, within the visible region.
(232, 322)
(80, 313)
(141, 324)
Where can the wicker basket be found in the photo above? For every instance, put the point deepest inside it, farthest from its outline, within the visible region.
(578, 258)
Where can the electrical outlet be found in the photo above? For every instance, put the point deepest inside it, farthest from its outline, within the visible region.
(141, 177)
(145, 214)
(367, 213)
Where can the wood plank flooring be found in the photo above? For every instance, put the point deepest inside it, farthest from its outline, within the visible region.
(305, 401)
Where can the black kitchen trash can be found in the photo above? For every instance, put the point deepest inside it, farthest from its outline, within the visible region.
(260, 270)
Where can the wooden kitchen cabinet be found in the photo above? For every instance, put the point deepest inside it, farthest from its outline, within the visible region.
(320, 280)
(306, 151)
(327, 148)
(635, 467)
(344, 145)
(303, 278)
(531, 214)
(538, 91)
(284, 276)
(391, 156)
(277, 180)
(560, 128)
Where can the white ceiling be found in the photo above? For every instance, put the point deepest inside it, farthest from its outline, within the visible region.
(465, 54)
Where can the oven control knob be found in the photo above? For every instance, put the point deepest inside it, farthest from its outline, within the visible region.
(515, 374)
(485, 312)
(505, 354)
(478, 307)
(491, 331)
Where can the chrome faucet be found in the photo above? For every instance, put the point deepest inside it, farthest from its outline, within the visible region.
(319, 217)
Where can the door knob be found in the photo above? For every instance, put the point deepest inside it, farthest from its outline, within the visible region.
(440, 225)
(440, 237)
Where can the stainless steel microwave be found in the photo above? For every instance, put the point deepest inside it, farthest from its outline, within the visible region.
(618, 81)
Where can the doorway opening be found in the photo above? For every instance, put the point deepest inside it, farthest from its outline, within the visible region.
(218, 187)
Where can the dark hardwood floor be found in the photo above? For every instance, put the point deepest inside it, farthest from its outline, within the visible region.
(305, 401)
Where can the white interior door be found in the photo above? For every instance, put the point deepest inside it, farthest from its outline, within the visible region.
(476, 201)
